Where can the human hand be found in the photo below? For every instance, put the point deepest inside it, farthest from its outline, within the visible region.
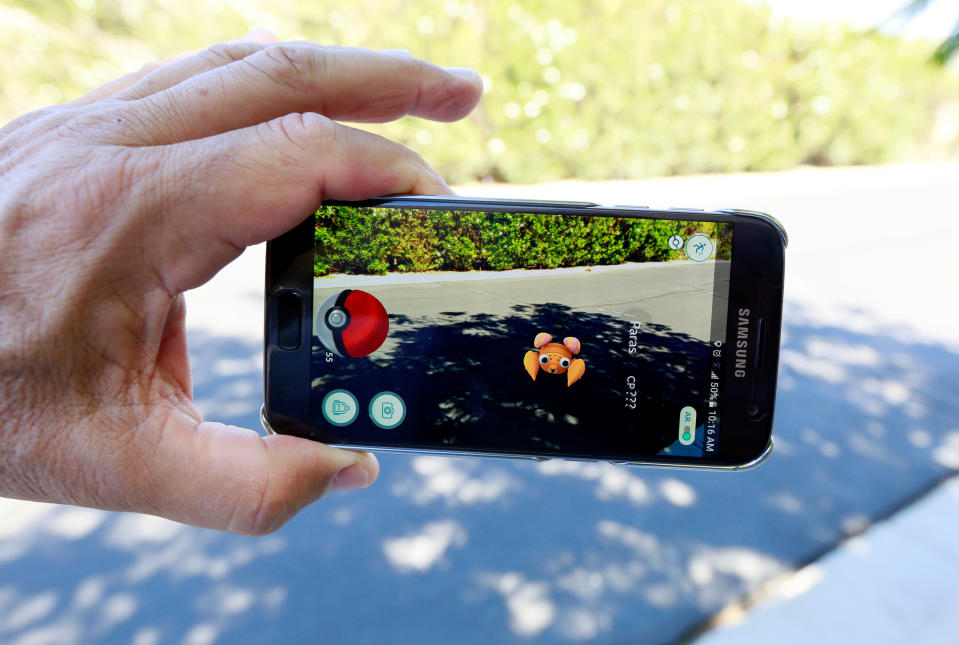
(115, 204)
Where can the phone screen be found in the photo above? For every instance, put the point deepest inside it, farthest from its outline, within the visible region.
(518, 333)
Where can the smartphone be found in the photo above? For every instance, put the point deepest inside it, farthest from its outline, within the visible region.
(534, 329)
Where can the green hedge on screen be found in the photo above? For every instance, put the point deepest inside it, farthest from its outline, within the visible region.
(370, 240)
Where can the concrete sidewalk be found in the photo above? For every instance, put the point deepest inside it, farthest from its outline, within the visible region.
(896, 583)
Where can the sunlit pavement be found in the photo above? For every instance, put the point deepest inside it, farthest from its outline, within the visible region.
(488, 551)
(895, 583)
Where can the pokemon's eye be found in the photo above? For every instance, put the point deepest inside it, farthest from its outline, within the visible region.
(543, 359)
(564, 362)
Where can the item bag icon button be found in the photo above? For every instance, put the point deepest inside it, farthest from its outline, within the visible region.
(340, 407)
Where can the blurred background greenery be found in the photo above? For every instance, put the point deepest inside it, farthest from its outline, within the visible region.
(603, 89)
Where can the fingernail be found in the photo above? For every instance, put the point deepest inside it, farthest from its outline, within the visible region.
(350, 478)
(465, 72)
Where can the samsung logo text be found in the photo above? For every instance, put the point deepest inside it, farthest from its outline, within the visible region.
(742, 344)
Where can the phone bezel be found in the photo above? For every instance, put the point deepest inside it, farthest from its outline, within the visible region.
(756, 282)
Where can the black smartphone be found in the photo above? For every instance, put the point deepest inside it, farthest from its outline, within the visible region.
(532, 329)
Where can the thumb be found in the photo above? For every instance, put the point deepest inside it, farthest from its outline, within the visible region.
(232, 479)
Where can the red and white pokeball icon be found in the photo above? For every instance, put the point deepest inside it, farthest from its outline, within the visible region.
(351, 323)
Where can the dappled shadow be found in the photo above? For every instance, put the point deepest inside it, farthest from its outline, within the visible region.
(464, 384)
(483, 550)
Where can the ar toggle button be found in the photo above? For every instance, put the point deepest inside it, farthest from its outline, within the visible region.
(687, 425)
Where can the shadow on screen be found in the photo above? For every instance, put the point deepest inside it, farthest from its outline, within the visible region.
(464, 383)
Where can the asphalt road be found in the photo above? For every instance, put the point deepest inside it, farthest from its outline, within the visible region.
(678, 294)
(494, 551)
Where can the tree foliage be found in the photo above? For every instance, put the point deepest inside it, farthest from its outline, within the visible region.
(600, 89)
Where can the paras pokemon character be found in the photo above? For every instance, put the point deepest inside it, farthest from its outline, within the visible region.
(555, 358)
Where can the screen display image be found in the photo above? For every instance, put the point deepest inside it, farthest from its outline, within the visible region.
(517, 332)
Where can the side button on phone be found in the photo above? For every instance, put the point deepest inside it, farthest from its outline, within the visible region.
(288, 319)
(759, 359)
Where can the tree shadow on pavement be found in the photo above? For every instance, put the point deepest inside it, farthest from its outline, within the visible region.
(464, 384)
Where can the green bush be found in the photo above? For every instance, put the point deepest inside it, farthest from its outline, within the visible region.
(595, 90)
(378, 240)
(349, 241)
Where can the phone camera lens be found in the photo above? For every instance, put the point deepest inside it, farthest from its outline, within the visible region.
(752, 410)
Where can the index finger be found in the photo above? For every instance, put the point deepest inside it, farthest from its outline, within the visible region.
(340, 83)
(161, 74)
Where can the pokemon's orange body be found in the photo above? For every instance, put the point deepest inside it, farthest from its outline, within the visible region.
(555, 358)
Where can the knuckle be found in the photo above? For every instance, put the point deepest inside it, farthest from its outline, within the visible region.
(31, 118)
(270, 511)
(420, 67)
(43, 113)
(286, 54)
(21, 137)
(316, 125)
(217, 53)
(295, 66)
(81, 154)
(225, 52)
(303, 130)
(415, 159)
(80, 125)
(102, 123)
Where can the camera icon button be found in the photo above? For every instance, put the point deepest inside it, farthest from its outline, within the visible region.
(387, 410)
